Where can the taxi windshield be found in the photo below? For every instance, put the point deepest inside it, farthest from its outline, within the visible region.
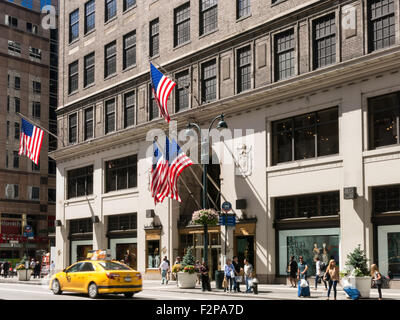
(113, 266)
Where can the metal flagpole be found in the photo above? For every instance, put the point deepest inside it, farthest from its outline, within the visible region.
(201, 184)
(41, 127)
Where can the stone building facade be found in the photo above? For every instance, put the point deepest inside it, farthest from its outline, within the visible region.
(316, 86)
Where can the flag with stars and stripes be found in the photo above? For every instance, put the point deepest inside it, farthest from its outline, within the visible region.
(30, 141)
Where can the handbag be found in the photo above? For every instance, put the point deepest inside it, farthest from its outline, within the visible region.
(238, 278)
(327, 276)
(232, 274)
(225, 283)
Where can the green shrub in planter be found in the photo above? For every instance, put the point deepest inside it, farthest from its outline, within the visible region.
(358, 262)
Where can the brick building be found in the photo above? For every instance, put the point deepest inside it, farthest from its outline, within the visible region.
(317, 82)
(28, 69)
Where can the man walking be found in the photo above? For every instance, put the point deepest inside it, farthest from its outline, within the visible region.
(6, 268)
(164, 267)
(302, 269)
(205, 280)
(248, 271)
(236, 279)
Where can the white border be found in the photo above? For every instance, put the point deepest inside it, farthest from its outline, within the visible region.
(114, 242)
(383, 246)
(74, 247)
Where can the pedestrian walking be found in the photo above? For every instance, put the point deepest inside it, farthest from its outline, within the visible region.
(177, 261)
(52, 267)
(37, 270)
(302, 268)
(332, 276)
(292, 269)
(197, 268)
(377, 279)
(238, 278)
(164, 267)
(6, 269)
(169, 268)
(248, 272)
(320, 269)
(229, 272)
(205, 279)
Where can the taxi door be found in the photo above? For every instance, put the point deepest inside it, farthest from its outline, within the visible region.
(84, 276)
(71, 275)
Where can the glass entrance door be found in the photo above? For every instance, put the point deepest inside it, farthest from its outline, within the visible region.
(127, 252)
(245, 249)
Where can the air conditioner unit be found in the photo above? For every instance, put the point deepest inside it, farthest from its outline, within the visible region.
(10, 192)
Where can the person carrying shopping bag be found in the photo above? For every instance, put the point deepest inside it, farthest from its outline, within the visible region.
(248, 271)
(320, 269)
(332, 276)
(229, 272)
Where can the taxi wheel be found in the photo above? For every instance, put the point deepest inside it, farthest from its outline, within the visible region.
(55, 287)
(92, 291)
(128, 294)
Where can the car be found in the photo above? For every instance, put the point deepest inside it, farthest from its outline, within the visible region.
(97, 277)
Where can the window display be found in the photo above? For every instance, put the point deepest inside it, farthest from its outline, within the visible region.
(394, 252)
(153, 254)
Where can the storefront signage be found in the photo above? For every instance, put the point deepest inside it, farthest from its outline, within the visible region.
(28, 232)
(227, 220)
(226, 206)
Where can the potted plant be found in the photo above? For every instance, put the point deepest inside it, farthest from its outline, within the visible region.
(24, 274)
(357, 273)
(187, 278)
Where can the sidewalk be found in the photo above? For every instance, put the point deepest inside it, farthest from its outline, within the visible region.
(266, 291)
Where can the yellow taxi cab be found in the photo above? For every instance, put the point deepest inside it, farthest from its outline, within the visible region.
(97, 277)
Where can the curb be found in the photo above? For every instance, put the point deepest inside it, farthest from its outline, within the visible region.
(29, 282)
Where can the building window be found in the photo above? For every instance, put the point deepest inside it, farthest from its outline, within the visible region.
(110, 116)
(129, 4)
(12, 192)
(121, 173)
(310, 205)
(8, 103)
(35, 53)
(51, 195)
(122, 222)
(8, 128)
(36, 87)
(111, 9)
(14, 46)
(17, 83)
(73, 76)
(90, 16)
(182, 24)
(6, 158)
(153, 253)
(129, 49)
(154, 111)
(33, 28)
(36, 109)
(154, 38)
(181, 91)
(35, 167)
(52, 166)
(80, 182)
(73, 128)
(110, 64)
(306, 136)
(129, 109)
(383, 115)
(209, 81)
(89, 64)
(16, 130)
(208, 16)
(381, 24)
(17, 103)
(284, 55)
(324, 30)
(88, 123)
(33, 193)
(243, 8)
(74, 25)
(16, 160)
(244, 69)
(11, 21)
(80, 226)
(386, 199)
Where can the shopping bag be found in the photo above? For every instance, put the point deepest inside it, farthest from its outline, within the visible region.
(225, 283)
(303, 283)
(238, 278)
(303, 291)
(353, 293)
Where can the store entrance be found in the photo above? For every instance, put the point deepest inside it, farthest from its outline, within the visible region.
(82, 251)
(127, 252)
(245, 249)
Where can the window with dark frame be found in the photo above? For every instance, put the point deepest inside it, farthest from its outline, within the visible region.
(383, 120)
(129, 56)
(80, 182)
(242, 8)
(244, 69)
(309, 205)
(209, 81)
(35, 167)
(306, 136)
(74, 25)
(110, 63)
(324, 33)
(121, 173)
(381, 24)
(51, 195)
(89, 73)
(154, 111)
(36, 87)
(181, 90)
(16, 130)
(35, 53)
(154, 38)
(386, 199)
(129, 4)
(73, 128)
(15, 160)
(122, 222)
(88, 123)
(73, 77)
(36, 109)
(110, 116)
(182, 24)
(14, 46)
(129, 109)
(90, 16)
(17, 83)
(284, 55)
(110, 10)
(80, 226)
(8, 129)
(17, 103)
(208, 16)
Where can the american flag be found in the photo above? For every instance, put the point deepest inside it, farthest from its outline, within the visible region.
(30, 141)
(166, 170)
(162, 87)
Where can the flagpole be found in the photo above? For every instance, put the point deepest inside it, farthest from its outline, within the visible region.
(38, 125)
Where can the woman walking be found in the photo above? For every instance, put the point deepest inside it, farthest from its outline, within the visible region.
(292, 269)
(332, 276)
(377, 279)
(229, 272)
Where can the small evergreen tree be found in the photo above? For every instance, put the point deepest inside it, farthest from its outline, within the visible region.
(358, 260)
(188, 259)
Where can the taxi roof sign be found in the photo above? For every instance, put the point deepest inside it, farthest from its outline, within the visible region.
(99, 254)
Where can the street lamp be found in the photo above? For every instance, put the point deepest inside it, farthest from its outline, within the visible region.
(204, 160)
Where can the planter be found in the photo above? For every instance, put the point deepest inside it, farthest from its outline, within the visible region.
(363, 284)
(187, 280)
(24, 275)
